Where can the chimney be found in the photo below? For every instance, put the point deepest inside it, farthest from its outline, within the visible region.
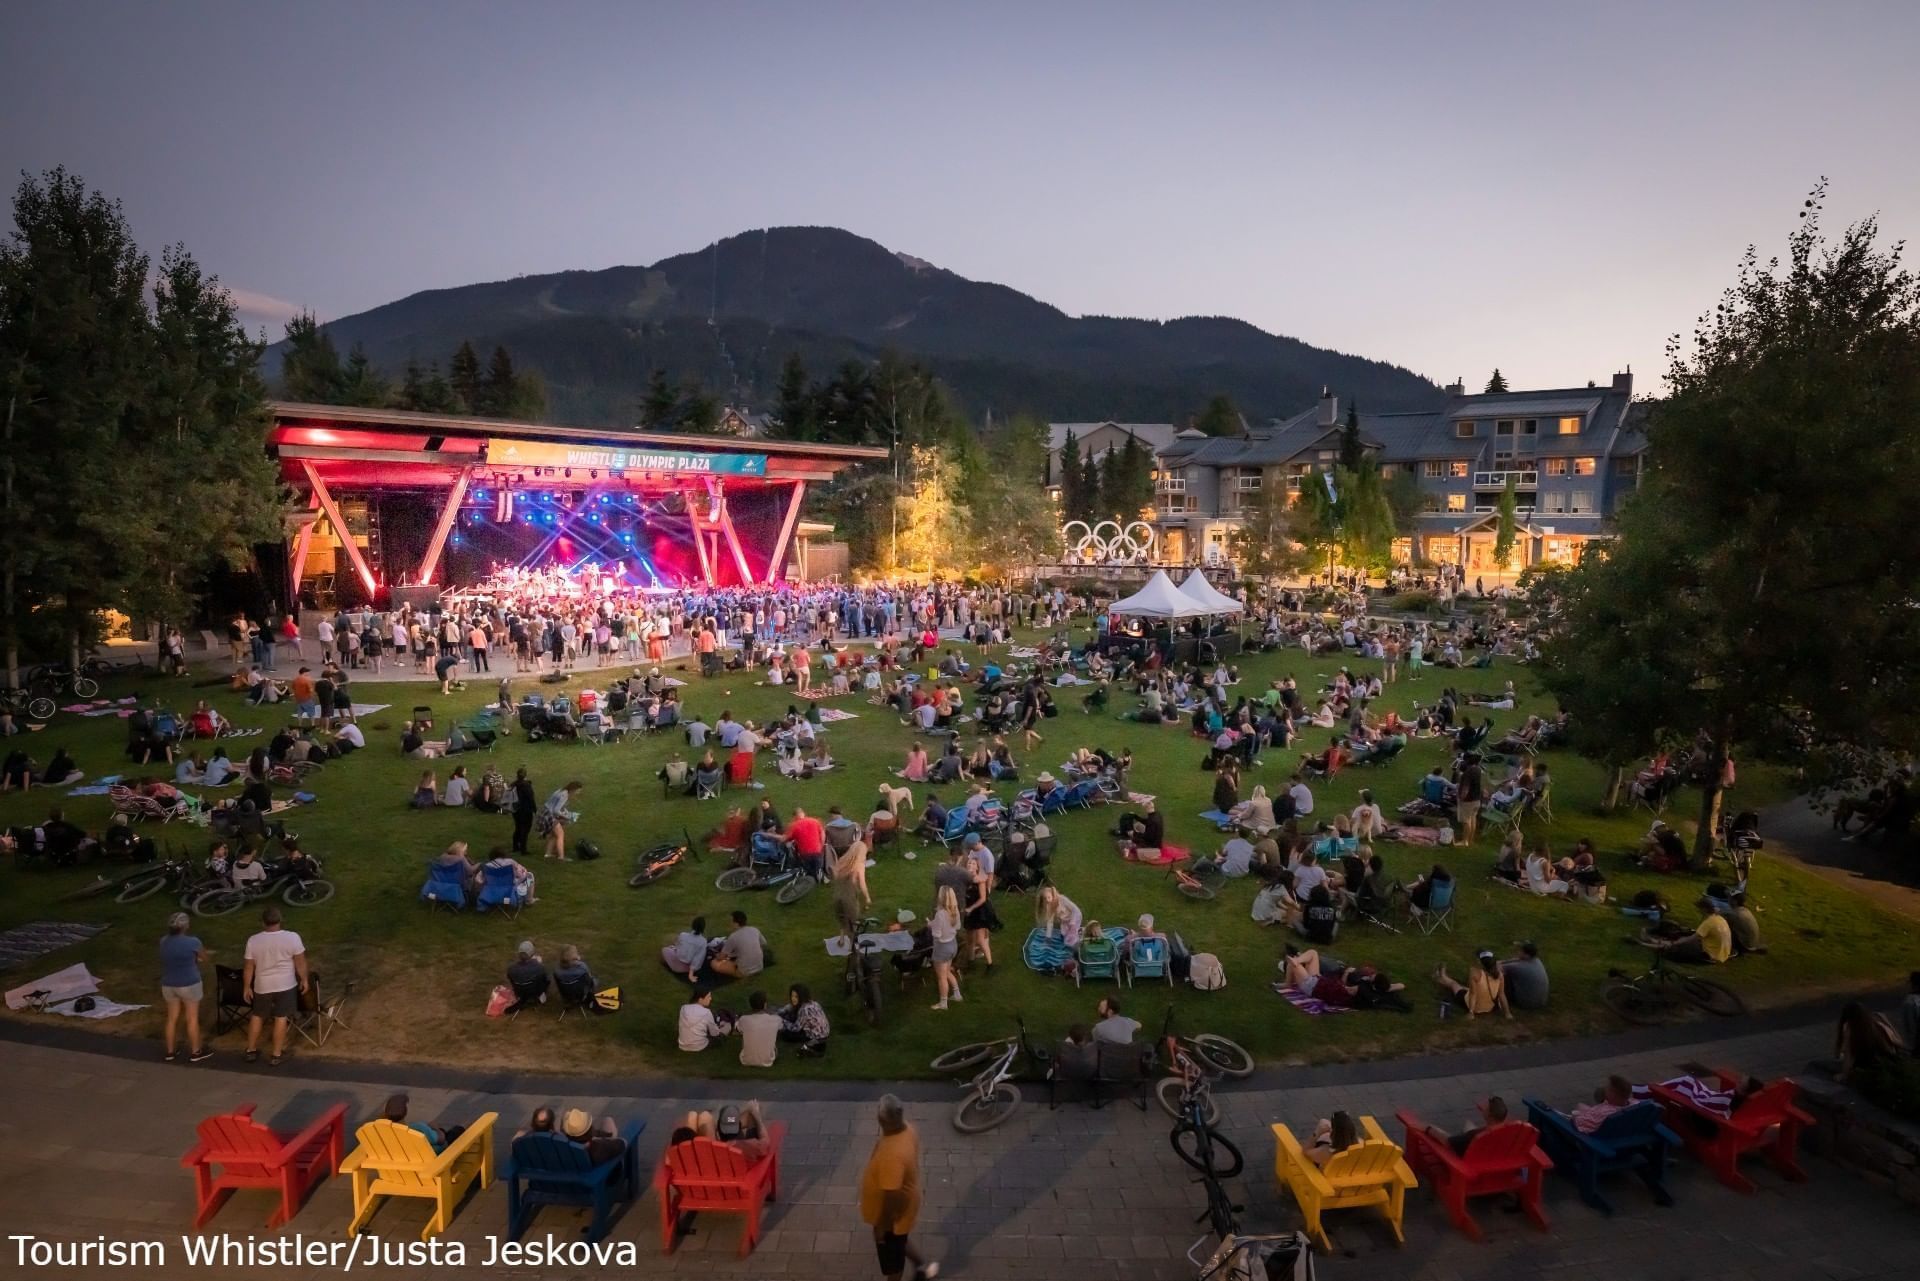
(1624, 382)
(1329, 408)
(1458, 387)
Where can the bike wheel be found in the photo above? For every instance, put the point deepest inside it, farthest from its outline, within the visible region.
(1228, 1058)
(977, 1114)
(307, 893)
(734, 879)
(1637, 1004)
(1171, 1091)
(796, 888)
(968, 1056)
(1196, 890)
(1223, 1216)
(648, 875)
(1216, 1156)
(1710, 996)
(219, 903)
(142, 887)
(84, 688)
(40, 708)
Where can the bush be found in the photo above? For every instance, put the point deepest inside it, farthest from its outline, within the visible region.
(1414, 602)
(1892, 1084)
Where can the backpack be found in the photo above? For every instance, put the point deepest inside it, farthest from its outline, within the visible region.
(1206, 973)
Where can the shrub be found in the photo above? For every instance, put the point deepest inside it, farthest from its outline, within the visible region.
(1893, 1084)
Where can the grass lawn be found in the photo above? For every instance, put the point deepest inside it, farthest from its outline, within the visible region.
(422, 979)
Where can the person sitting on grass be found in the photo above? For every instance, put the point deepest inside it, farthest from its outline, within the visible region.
(1543, 878)
(426, 792)
(1319, 918)
(700, 1024)
(759, 1031)
(1332, 983)
(1662, 850)
(1494, 1111)
(804, 1020)
(1234, 860)
(743, 953)
(1435, 790)
(1709, 943)
(1274, 904)
(1484, 991)
(1526, 978)
(687, 954)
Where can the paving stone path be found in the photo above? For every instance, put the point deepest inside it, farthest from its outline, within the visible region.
(92, 1145)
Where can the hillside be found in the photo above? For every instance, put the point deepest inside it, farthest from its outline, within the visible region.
(729, 314)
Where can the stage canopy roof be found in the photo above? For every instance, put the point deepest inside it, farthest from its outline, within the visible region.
(1159, 599)
(1205, 593)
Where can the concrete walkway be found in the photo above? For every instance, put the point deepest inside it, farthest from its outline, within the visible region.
(1887, 873)
(93, 1144)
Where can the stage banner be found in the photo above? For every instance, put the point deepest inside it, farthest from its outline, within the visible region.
(524, 453)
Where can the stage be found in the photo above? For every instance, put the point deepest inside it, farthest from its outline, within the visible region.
(397, 500)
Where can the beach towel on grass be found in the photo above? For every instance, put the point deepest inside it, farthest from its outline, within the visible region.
(1168, 854)
(1219, 819)
(1047, 953)
(368, 709)
(1309, 1004)
(828, 715)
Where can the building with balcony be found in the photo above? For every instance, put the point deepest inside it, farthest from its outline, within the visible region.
(1101, 438)
(1572, 456)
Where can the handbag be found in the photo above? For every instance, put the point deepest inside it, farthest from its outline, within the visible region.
(500, 1002)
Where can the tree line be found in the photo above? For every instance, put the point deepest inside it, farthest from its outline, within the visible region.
(312, 371)
(1115, 486)
(133, 425)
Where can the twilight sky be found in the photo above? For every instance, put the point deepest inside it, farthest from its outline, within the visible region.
(1548, 187)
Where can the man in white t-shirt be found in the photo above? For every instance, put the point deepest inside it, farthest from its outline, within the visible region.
(759, 1033)
(349, 737)
(699, 1025)
(273, 982)
(1302, 798)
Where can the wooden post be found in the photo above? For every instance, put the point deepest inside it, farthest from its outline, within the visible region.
(449, 512)
(777, 565)
(325, 498)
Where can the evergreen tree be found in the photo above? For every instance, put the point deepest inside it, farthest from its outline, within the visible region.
(850, 408)
(1089, 486)
(1071, 503)
(1496, 384)
(1220, 418)
(361, 384)
(1352, 452)
(1135, 484)
(464, 377)
(411, 393)
(659, 408)
(1112, 484)
(1507, 524)
(698, 411)
(795, 405)
(310, 371)
(499, 394)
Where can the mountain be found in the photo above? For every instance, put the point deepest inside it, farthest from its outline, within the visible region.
(729, 314)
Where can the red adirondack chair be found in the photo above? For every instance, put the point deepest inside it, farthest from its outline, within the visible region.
(1767, 1122)
(1503, 1158)
(703, 1174)
(235, 1151)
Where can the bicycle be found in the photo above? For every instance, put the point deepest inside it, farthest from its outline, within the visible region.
(50, 680)
(656, 862)
(865, 964)
(297, 885)
(1215, 1053)
(1654, 996)
(1194, 884)
(25, 704)
(172, 876)
(991, 1095)
(771, 866)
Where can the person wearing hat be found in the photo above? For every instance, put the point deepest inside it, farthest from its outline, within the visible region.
(602, 1142)
(396, 1112)
(1043, 786)
(1484, 991)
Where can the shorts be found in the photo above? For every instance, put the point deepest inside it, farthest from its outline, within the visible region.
(185, 992)
(1466, 811)
(892, 1249)
(276, 1005)
(944, 951)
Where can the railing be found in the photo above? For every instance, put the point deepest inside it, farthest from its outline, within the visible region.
(1170, 485)
(1519, 509)
(1528, 479)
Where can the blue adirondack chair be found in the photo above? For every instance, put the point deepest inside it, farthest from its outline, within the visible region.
(1633, 1139)
(550, 1169)
(446, 887)
(498, 890)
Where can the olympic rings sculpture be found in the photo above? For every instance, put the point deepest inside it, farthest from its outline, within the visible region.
(1106, 543)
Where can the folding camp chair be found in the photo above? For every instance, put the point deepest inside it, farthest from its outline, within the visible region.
(446, 887)
(593, 729)
(528, 993)
(497, 889)
(1099, 958)
(1147, 959)
(230, 1007)
(1439, 909)
(576, 996)
(316, 1015)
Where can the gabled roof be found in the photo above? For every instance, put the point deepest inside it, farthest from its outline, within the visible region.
(1531, 404)
(1152, 435)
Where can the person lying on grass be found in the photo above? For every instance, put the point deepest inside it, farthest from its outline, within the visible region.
(1335, 983)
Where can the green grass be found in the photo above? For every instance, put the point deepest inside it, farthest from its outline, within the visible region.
(422, 979)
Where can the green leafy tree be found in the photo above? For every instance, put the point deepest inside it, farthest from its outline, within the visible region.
(1264, 544)
(74, 344)
(1495, 384)
(660, 406)
(1506, 525)
(463, 374)
(1753, 541)
(1313, 523)
(1013, 524)
(310, 371)
(933, 522)
(1404, 500)
(1364, 517)
(1220, 418)
(796, 409)
(1353, 453)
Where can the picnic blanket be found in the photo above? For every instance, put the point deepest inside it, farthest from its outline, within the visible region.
(1218, 818)
(24, 943)
(1308, 1004)
(232, 732)
(1139, 798)
(1047, 953)
(828, 715)
(890, 941)
(62, 985)
(1022, 651)
(368, 709)
(1168, 854)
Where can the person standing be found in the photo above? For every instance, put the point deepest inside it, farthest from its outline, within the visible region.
(274, 980)
(890, 1194)
(525, 806)
(477, 641)
(181, 956)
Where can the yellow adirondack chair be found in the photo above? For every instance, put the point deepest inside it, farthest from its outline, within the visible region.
(1371, 1172)
(393, 1160)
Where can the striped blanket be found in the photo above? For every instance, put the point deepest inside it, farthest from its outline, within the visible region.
(1047, 953)
(1310, 1005)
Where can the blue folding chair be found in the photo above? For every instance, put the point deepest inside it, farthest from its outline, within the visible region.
(1147, 959)
(446, 887)
(1439, 911)
(957, 826)
(497, 889)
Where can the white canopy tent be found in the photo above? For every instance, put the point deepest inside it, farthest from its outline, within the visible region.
(1160, 599)
(1205, 593)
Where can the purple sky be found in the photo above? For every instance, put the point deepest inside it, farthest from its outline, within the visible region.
(1547, 187)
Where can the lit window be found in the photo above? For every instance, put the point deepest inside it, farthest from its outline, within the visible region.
(1583, 466)
(1456, 502)
(1457, 468)
(1570, 425)
(1555, 502)
(1464, 429)
(1556, 466)
(1193, 503)
(1433, 469)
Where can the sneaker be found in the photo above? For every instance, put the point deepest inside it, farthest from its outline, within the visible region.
(928, 1273)
(169, 1057)
(200, 1056)
(938, 1005)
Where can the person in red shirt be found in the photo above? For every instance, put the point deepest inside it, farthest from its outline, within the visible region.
(808, 836)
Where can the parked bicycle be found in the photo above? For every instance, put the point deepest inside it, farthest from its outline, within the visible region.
(991, 1096)
(1215, 1053)
(170, 877)
(1654, 997)
(655, 863)
(51, 680)
(24, 704)
(866, 963)
(771, 866)
(297, 882)
(1201, 883)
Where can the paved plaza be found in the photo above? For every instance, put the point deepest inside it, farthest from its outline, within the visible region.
(93, 1144)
